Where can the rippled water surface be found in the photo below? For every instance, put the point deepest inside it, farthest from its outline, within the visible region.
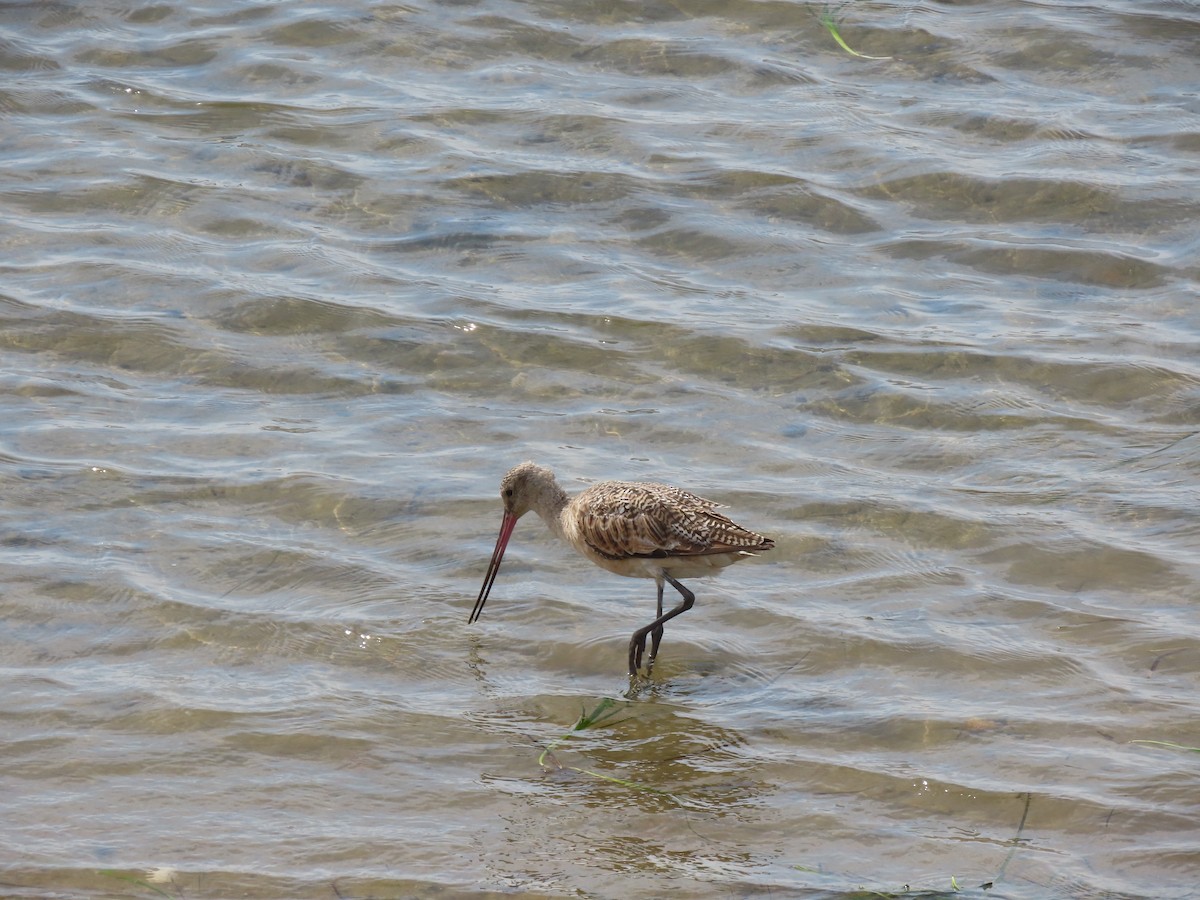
(287, 287)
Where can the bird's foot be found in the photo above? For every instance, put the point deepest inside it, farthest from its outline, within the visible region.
(637, 649)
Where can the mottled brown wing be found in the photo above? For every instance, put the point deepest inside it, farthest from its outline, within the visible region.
(639, 519)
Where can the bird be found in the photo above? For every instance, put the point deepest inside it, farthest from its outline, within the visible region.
(633, 528)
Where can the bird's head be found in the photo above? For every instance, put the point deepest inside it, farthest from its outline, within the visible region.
(522, 486)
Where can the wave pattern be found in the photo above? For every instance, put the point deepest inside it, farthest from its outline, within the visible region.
(287, 287)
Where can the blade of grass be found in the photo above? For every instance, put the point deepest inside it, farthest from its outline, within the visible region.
(121, 876)
(830, 24)
(1173, 746)
(603, 711)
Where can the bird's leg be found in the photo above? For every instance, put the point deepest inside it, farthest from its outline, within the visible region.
(635, 653)
(637, 643)
(657, 633)
(635, 662)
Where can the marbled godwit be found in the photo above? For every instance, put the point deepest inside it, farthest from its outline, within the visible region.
(637, 529)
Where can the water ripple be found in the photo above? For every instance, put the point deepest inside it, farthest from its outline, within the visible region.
(287, 288)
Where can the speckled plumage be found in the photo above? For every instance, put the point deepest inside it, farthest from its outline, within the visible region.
(623, 519)
(633, 528)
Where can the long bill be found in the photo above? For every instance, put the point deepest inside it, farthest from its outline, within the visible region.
(506, 530)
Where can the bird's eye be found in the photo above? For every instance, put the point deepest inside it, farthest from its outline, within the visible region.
(508, 492)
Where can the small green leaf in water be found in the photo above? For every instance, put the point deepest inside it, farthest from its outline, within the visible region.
(830, 24)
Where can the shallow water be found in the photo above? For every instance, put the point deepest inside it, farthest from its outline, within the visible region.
(287, 288)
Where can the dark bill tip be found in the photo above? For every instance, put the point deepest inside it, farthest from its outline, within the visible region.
(506, 530)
